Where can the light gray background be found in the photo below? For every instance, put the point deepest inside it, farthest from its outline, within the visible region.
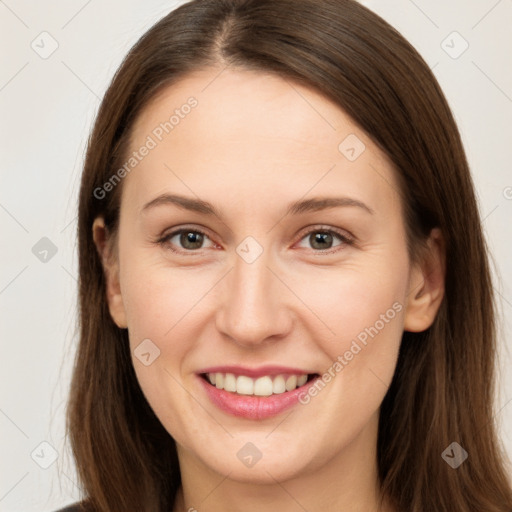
(47, 107)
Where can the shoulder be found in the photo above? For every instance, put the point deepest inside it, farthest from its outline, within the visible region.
(74, 507)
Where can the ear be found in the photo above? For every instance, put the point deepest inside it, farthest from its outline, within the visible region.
(426, 285)
(110, 262)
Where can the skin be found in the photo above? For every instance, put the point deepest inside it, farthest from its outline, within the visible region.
(255, 143)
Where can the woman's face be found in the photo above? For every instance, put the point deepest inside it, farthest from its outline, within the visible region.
(274, 286)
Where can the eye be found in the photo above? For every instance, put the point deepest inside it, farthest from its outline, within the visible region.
(188, 239)
(322, 239)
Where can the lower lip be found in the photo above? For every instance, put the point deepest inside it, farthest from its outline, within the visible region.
(254, 407)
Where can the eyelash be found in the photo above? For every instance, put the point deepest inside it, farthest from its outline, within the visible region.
(164, 241)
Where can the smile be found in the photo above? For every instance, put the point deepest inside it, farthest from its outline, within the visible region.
(257, 397)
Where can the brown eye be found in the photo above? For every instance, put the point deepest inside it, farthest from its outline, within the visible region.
(323, 239)
(191, 239)
(184, 239)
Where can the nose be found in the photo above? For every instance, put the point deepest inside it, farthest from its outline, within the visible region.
(254, 307)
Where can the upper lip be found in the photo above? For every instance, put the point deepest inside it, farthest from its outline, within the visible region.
(270, 370)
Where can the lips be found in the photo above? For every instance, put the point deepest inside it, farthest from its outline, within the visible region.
(255, 393)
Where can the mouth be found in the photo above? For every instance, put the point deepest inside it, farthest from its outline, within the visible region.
(256, 397)
(266, 385)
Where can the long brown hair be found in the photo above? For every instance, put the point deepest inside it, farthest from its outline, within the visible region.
(443, 387)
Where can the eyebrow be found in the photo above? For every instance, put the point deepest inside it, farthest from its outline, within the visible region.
(298, 207)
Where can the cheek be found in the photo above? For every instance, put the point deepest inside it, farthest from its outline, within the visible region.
(354, 299)
(157, 299)
(363, 311)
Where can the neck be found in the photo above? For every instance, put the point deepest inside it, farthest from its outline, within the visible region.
(348, 481)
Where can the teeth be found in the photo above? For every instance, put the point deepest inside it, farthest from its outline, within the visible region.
(244, 385)
(262, 386)
(279, 385)
(230, 382)
(301, 380)
(291, 383)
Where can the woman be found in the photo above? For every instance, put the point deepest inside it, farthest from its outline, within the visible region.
(285, 295)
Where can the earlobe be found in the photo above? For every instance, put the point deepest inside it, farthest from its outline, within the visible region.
(111, 271)
(426, 286)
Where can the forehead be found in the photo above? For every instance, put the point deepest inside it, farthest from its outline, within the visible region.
(240, 133)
